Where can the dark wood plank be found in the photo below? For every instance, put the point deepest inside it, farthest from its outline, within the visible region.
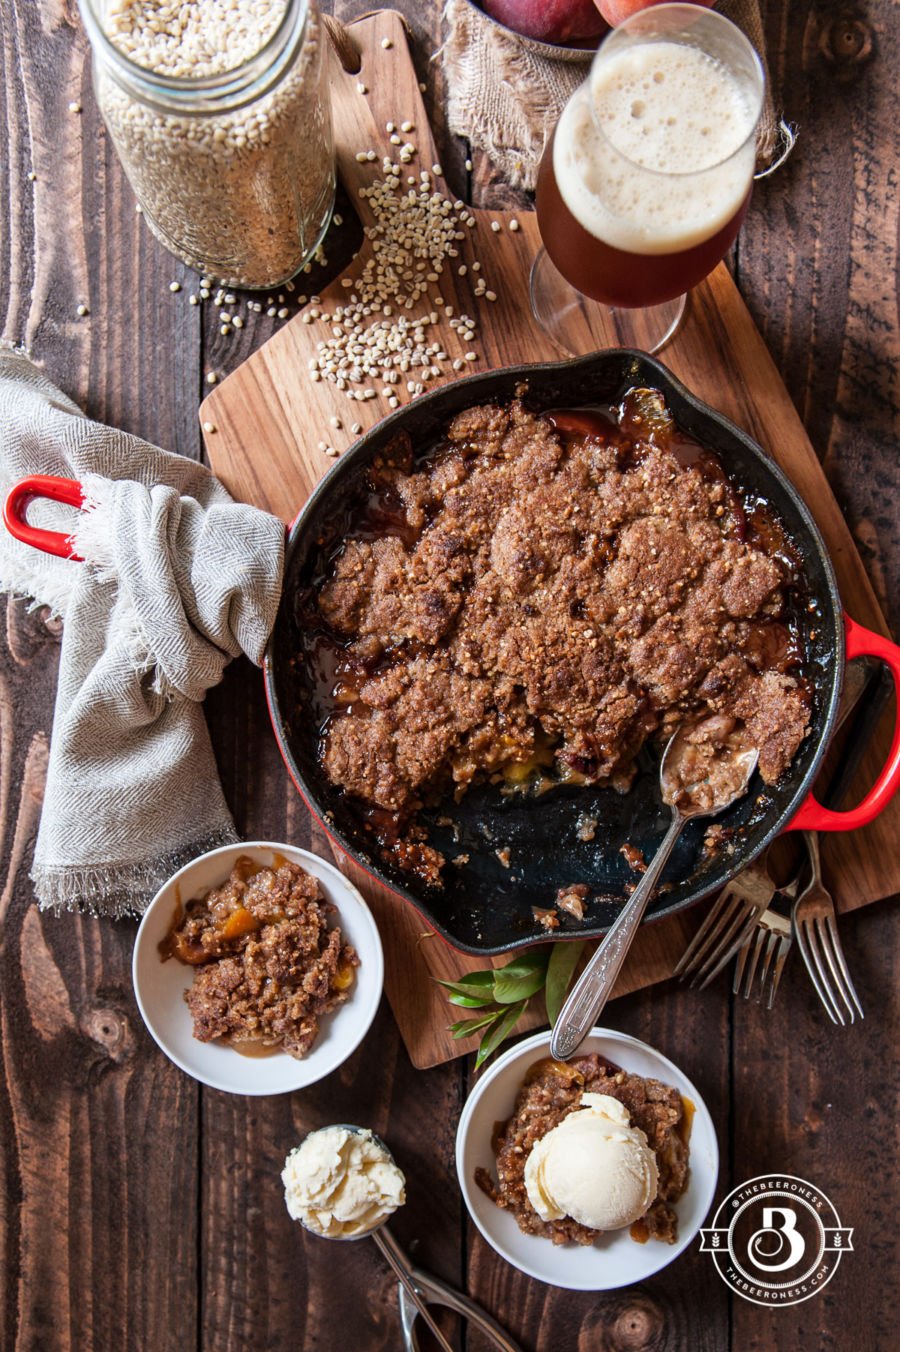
(817, 264)
(819, 1103)
(98, 1132)
(818, 258)
(103, 1212)
(89, 1110)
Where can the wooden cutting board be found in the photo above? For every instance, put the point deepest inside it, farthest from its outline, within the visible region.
(270, 416)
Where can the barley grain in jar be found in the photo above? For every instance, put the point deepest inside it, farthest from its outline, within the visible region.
(219, 112)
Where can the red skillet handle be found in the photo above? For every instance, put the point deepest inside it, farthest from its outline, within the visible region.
(16, 506)
(812, 816)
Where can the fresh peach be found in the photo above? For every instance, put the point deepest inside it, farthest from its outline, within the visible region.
(617, 11)
(556, 21)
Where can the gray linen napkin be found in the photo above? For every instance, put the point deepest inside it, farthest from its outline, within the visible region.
(178, 579)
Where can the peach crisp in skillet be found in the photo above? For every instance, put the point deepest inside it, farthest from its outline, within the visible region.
(533, 601)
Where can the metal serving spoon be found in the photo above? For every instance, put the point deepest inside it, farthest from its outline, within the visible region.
(701, 797)
(416, 1287)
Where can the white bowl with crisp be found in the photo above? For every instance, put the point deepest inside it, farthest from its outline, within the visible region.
(160, 985)
(615, 1259)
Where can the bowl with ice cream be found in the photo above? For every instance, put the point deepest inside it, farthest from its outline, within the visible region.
(588, 1174)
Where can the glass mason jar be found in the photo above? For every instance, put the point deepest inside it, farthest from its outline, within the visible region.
(234, 169)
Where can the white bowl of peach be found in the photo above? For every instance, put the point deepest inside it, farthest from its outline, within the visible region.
(258, 968)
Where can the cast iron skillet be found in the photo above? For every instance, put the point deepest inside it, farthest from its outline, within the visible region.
(485, 907)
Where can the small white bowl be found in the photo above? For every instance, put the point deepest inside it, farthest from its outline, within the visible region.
(159, 986)
(615, 1259)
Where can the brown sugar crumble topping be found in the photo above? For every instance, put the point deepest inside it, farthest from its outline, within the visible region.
(268, 965)
(551, 1091)
(540, 595)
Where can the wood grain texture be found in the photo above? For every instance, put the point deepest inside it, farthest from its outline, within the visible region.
(87, 1111)
(818, 258)
(803, 1118)
(128, 1196)
(271, 397)
(98, 1133)
(270, 420)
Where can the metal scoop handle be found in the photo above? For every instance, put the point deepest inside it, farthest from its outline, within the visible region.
(437, 1292)
(404, 1274)
(417, 1287)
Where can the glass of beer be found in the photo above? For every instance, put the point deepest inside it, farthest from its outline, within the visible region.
(646, 180)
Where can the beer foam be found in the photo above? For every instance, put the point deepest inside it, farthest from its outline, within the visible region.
(675, 158)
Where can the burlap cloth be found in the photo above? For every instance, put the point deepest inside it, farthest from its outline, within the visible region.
(178, 579)
(505, 100)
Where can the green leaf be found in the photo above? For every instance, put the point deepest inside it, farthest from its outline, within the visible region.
(535, 960)
(475, 990)
(472, 1001)
(509, 987)
(501, 1029)
(521, 977)
(473, 984)
(560, 968)
(467, 1026)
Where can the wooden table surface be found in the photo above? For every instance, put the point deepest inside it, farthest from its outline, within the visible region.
(141, 1211)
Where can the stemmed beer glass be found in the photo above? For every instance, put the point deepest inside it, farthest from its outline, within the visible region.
(644, 185)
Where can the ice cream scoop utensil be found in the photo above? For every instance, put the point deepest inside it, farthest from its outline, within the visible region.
(416, 1288)
(400, 1264)
(688, 800)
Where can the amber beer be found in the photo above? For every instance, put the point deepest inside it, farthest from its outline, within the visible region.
(647, 178)
(617, 276)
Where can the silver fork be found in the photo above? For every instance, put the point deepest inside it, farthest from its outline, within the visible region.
(769, 946)
(743, 902)
(772, 941)
(728, 924)
(815, 929)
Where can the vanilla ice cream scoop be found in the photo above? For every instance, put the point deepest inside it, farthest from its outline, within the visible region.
(342, 1183)
(594, 1166)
